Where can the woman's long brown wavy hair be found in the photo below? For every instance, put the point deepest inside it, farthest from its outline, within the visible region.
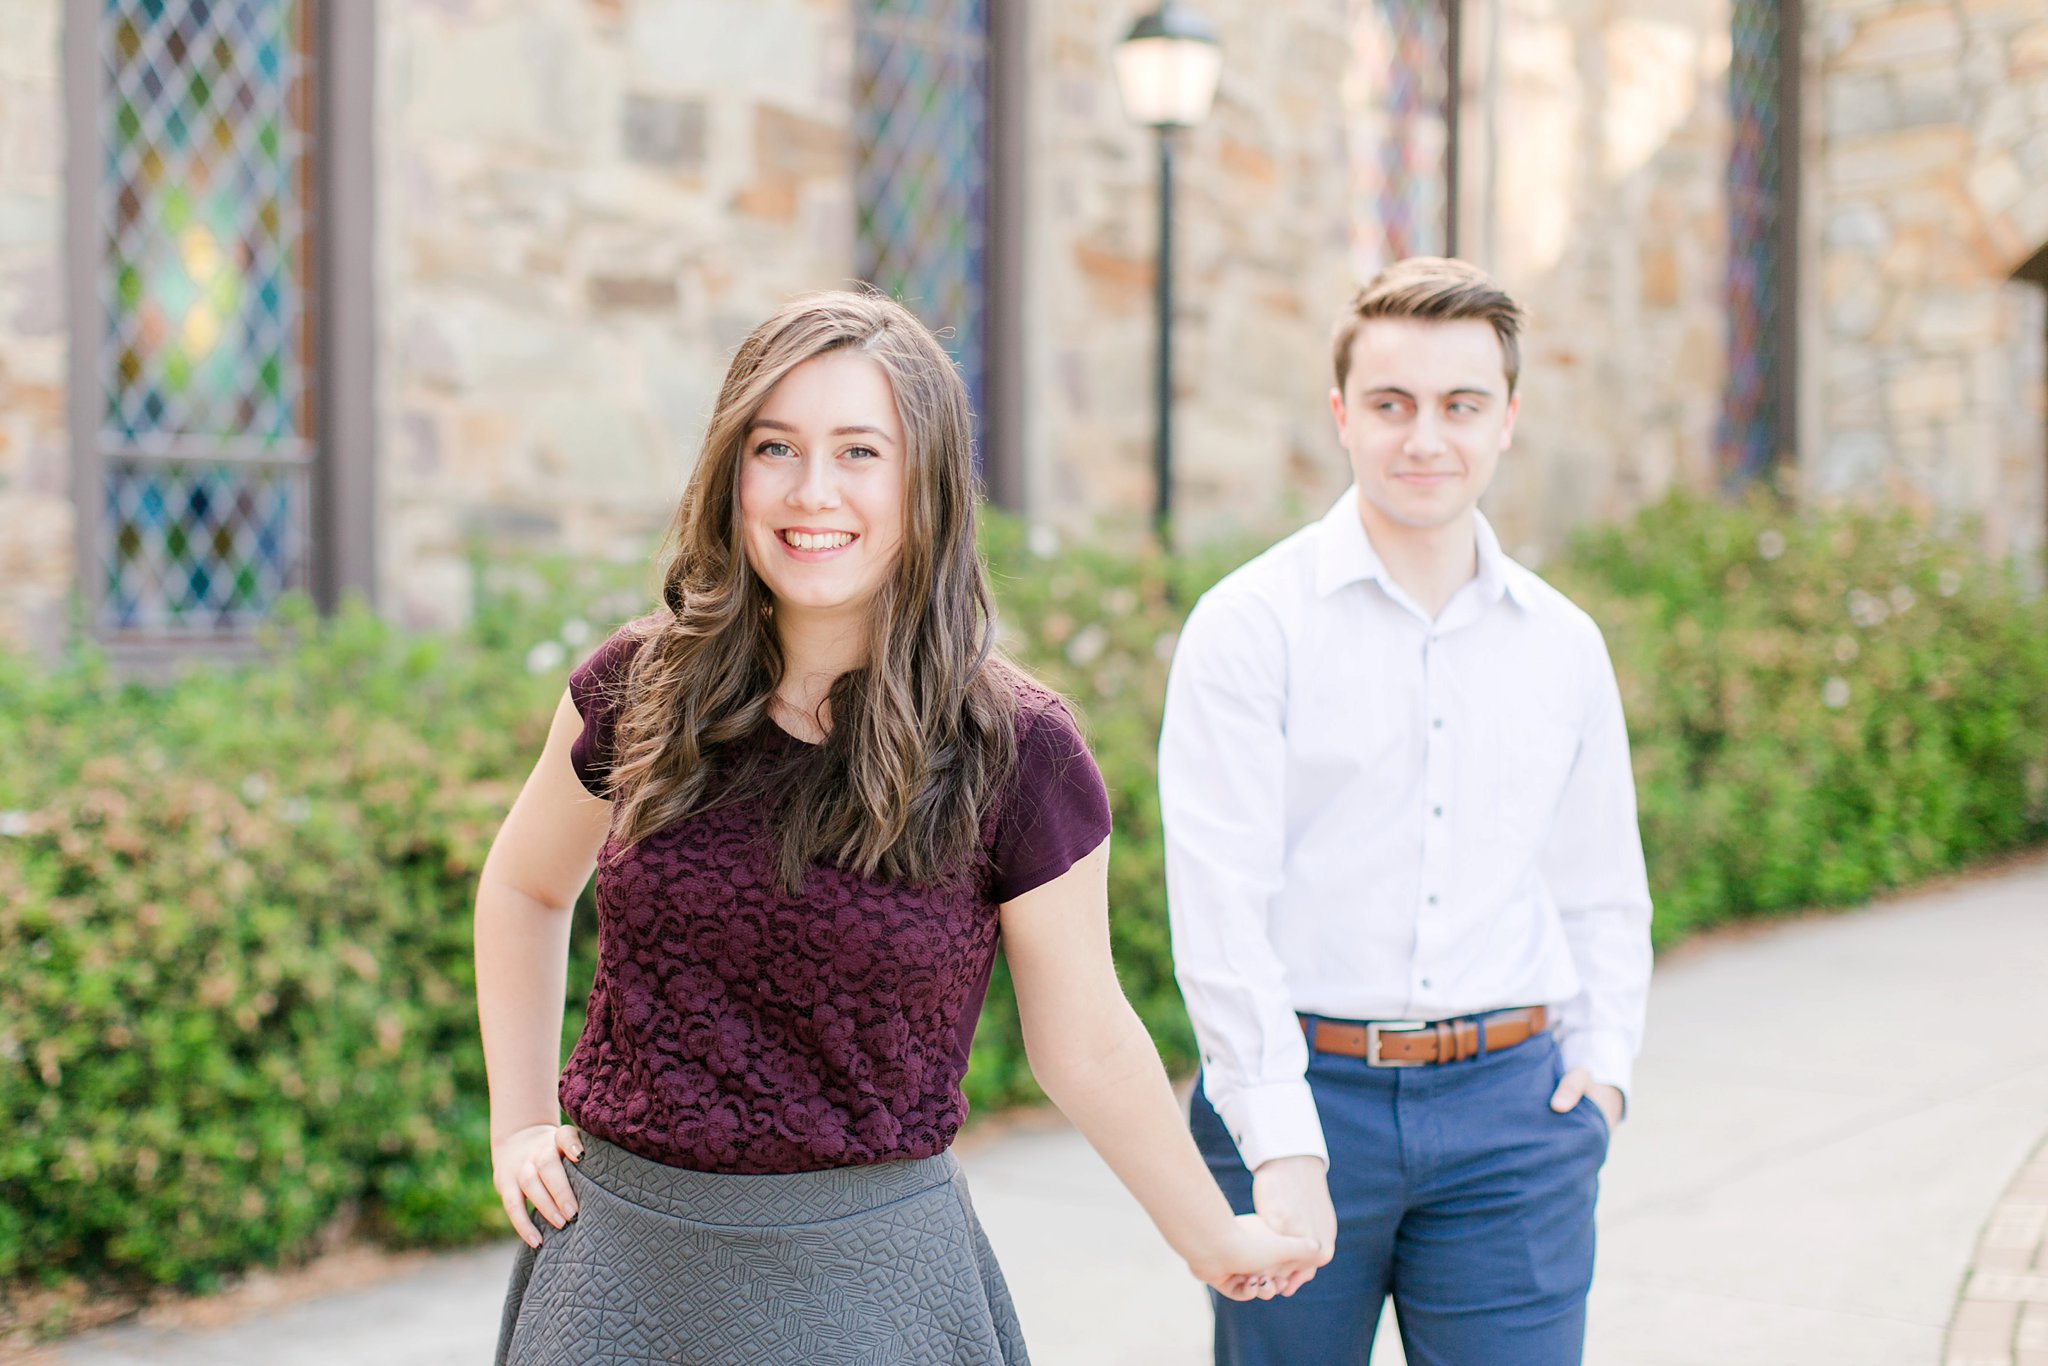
(924, 734)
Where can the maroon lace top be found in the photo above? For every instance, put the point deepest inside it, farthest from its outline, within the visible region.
(732, 1028)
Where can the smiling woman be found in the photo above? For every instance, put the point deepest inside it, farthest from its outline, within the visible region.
(814, 795)
(821, 499)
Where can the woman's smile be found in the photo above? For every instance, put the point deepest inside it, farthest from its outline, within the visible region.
(808, 543)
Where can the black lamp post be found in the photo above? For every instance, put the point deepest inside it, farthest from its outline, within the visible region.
(1166, 69)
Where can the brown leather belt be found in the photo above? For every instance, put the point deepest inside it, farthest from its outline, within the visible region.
(1418, 1043)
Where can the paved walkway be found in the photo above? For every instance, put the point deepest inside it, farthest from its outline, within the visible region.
(1826, 1116)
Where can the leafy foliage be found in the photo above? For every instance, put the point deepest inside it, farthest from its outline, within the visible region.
(236, 991)
(1819, 708)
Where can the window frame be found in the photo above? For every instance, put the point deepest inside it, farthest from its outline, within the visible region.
(999, 427)
(1002, 426)
(1780, 332)
(341, 483)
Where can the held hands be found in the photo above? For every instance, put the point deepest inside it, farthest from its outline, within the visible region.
(1277, 1250)
(1256, 1263)
(1292, 1194)
(526, 1165)
(1579, 1082)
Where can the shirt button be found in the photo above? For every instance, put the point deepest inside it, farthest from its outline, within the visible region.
(1425, 983)
(1438, 723)
(1437, 811)
(1432, 898)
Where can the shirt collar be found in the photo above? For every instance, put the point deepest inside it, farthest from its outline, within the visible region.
(1345, 555)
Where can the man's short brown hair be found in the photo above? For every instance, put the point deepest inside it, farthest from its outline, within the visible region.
(1434, 288)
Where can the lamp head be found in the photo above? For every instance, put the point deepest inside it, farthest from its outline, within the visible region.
(1167, 67)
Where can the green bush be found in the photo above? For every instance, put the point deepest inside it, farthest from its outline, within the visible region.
(236, 993)
(236, 996)
(1819, 708)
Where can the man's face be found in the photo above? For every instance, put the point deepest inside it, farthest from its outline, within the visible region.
(1424, 416)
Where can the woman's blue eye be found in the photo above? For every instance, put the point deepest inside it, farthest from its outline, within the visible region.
(772, 448)
(865, 452)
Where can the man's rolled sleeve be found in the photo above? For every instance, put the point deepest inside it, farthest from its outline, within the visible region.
(1607, 1057)
(1276, 1119)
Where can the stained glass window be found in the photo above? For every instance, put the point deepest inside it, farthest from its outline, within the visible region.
(1402, 101)
(1752, 429)
(205, 420)
(921, 176)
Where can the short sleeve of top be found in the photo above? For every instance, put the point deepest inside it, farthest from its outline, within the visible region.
(595, 687)
(1057, 809)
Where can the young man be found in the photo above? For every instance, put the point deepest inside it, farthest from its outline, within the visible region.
(1409, 910)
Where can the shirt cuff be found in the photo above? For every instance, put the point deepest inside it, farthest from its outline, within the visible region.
(1606, 1057)
(1275, 1120)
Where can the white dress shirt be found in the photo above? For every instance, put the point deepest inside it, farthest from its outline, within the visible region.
(1371, 815)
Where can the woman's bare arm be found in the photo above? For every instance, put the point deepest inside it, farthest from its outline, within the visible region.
(1092, 1055)
(542, 856)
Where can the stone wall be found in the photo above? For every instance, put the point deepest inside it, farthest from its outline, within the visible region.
(36, 521)
(583, 206)
(1595, 142)
(1261, 256)
(1929, 164)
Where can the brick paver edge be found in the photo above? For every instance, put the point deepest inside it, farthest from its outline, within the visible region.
(2001, 1318)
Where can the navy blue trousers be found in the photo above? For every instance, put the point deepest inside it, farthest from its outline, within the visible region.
(1459, 1191)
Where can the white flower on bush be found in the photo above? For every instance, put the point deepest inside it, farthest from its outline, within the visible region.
(1042, 541)
(575, 632)
(1948, 582)
(1902, 599)
(14, 824)
(1867, 609)
(255, 788)
(1119, 602)
(546, 657)
(1087, 645)
(294, 810)
(1834, 693)
(1770, 544)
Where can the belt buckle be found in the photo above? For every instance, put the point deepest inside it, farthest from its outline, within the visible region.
(1375, 1028)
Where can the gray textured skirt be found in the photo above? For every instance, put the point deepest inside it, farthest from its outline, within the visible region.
(882, 1265)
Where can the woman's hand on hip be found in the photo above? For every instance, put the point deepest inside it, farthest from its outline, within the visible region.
(526, 1167)
(1256, 1263)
